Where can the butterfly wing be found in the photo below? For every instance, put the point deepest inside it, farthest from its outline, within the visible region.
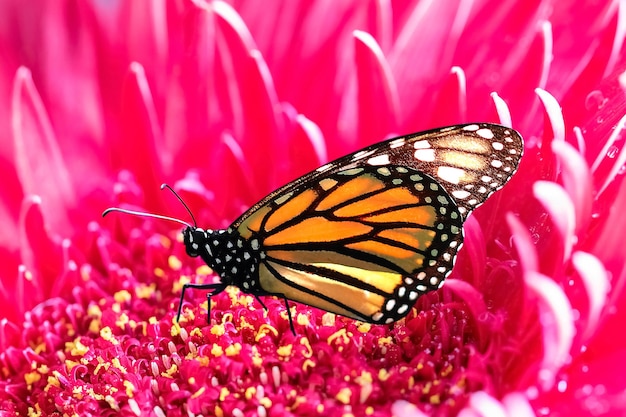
(471, 161)
(362, 242)
(364, 236)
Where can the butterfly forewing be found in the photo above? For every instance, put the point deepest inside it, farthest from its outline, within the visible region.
(470, 161)
(363, 242)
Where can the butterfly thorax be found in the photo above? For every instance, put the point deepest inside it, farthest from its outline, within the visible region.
(233, 258)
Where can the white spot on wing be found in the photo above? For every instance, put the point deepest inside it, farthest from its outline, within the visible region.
(425, 155)
(471, 128)
(421, 144)
(396, 143)
(485, 133)
(450, 174)
(362, 154)
(379, 160)
(460, 194)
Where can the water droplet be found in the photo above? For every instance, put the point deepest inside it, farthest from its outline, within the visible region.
(621, 170)
(612, 152)
(595, 100)
(561, 386)
(535, 237)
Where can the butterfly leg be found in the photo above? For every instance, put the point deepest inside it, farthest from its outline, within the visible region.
(214, 289)
(260, 302)
(293, 329)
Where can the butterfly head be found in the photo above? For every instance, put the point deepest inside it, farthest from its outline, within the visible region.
(195, 240)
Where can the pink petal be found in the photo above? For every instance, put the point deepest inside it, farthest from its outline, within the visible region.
(38, 159)
(39, 253)
(451, 105)
(136, 149)
(432, 30)
(557, 322)
(403, 408)
(517, 405)
(576, 181)
(535, 67)
(552, 109)
(377, 100)
(561, 209)
(485, 405)
(606, 153)
(596, 281)
(522, 240)
(504, 114)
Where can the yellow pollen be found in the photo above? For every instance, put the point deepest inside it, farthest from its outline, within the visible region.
(343, 396)
(122, 296)
(144, 291)
(308, 363)
(328, 319)
(159, 272)
(383, 375)
(224, 393)
(250, 391)
(217, 350)
(233, 350)
(198, 393)
(32, 377)
(218, 330)
(303, 320)
(285, 351)
(341, 333)
(76, 348)
(204, 270)
(130, 389)
(174, 263)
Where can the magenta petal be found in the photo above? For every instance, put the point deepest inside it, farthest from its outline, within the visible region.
(377, 98)
(535, 66)
(523, 243)
(597, 285)
(608, 153)
(432, 49)
(403, 408)
(39, 163)
(136, 149)
(486, 405)
(307, 149)
(576, 180)
(517, 405)
(554, 115)
(557, 202)
(40, 254)
(451, 106)
(557, 322)
(502, 110)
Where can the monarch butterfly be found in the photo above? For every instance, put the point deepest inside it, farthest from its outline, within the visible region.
(365, 235)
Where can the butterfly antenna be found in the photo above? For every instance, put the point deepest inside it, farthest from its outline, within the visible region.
(143, 214)
(181, 202)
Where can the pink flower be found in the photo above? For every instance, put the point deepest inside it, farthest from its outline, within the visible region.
(103, 101)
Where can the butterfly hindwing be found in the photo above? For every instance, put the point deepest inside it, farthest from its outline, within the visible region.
(362, 242)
